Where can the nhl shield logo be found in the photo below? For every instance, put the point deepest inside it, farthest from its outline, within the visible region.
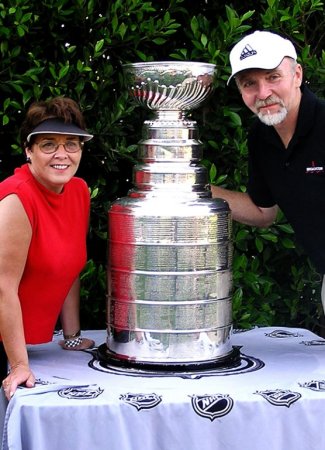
(313, 342)
(281, 334)
(80, 393)
(141, 401)
(212, 406)
(280, 397)
(315, 385)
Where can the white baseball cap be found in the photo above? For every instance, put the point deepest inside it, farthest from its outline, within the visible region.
(260, 50)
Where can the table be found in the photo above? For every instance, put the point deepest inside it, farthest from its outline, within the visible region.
(275, 400)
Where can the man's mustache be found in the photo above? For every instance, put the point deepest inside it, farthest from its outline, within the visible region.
(268, 101)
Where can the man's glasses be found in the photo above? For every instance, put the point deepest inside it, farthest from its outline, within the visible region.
(49, 147)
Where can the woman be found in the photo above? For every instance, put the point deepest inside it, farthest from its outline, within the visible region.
(44, 212)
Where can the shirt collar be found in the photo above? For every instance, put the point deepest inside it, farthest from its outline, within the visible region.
(307, 111)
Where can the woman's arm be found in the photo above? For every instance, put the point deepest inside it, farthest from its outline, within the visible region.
(70, 320)
(70, 311)
(15, 237)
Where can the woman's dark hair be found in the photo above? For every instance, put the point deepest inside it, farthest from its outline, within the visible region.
(62, 108)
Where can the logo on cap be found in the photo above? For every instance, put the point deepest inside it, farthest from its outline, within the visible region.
(247, 51)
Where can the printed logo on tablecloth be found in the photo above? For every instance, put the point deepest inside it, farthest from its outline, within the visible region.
(141, 401)
(212, 406)
(80, 393)
(241, 330)
(313, 342)
(315, 385)
(280, 334)
(280, 397)
(40, 382)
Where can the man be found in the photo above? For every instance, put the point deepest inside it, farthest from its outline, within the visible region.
(286, 143)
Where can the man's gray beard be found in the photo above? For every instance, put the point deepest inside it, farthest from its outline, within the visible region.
(273, 119)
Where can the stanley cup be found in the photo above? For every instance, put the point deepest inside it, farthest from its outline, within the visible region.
(170, 248)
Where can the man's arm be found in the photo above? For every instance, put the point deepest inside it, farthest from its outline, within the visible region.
(244, 209)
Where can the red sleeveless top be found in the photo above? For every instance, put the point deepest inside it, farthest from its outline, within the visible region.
(57, 251)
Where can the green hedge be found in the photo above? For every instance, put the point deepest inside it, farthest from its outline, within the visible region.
(77, 48)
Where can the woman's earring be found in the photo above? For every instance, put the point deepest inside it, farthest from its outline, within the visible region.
(28, 160)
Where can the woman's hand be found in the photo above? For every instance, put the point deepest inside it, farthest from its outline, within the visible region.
(19, 375)
(85, 343)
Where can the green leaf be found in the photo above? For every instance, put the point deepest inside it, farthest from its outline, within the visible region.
(242, 234)
(269, 237)
(99, 45)
(80, 65)
(204, 40)
(63, 72)
(259, 244)
(286, 228)
(234, 117)
(159, 41)
(26, 17)
(287, 243)
(94, 193)
(122, 29)
(20, 30)
(213, 172)
(6, 103)
(194, 25)
(71, 48)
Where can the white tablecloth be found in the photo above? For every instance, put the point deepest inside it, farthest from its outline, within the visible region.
(275, 400)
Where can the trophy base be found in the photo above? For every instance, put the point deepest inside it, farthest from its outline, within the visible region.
(231, 360)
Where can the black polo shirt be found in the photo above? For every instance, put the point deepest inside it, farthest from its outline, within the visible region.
(294, 178)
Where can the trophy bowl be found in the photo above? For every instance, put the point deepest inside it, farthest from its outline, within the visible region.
(169, 85)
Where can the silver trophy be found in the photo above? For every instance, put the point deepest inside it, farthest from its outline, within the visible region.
(170, 249)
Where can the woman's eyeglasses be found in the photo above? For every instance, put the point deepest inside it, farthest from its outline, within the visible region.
(49, 147)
